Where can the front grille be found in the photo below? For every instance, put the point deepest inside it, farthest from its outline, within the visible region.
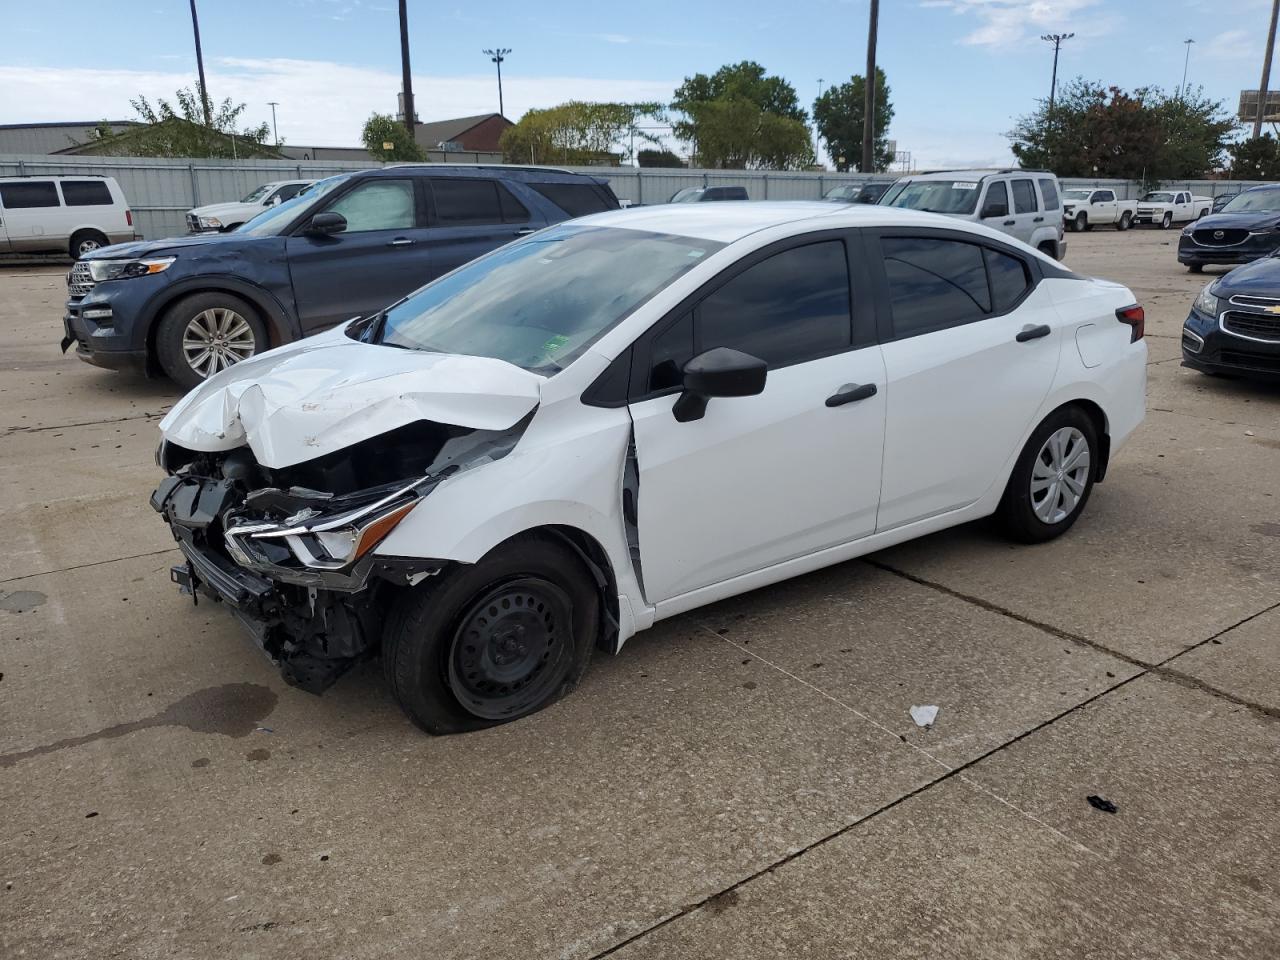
(1246, 300)
(1260, 326)
(79, 280)
(1219, 238)
(1255, 361)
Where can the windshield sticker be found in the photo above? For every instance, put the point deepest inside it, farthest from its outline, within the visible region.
(964, 185)
(554, 344)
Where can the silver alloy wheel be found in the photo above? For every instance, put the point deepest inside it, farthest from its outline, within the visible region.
(87, 246)
(215, 339)
(1060, 475)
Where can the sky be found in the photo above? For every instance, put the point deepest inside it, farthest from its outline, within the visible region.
(960, 71)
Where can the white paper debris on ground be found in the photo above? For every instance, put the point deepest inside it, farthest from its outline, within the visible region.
(924, 716)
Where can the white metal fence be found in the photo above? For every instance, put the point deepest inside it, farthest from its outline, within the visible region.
(161, 191)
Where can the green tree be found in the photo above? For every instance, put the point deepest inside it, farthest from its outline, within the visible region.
(838, 116)
(658, 158)
(1107, 132)
(382, 128)
(579, 132)
(740, 118)
(178, 130)
(1257, 158)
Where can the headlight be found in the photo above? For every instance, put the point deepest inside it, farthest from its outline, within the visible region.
(210, 223)
(1207, 303)
(122, 269)
(1266, 231)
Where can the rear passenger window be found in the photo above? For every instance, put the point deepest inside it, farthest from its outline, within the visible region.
(35, 193)
(794, 306)
(934, 284)
(575, 199)
(466, 201)
(85, 193)
(1024, 196)
(1049, 194)
(1009, 280)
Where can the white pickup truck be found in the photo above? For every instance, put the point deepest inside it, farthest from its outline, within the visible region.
(1083, 209)
(1167, 207)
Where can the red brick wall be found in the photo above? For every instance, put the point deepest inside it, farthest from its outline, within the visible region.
(484, 135)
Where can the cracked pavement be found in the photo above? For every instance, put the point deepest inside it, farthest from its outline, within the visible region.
(742, 781)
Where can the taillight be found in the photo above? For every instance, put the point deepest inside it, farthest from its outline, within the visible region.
(1136, 318)
(128, 218)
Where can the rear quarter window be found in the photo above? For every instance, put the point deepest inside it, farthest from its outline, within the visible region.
(1049, 194)
(575, 199)
(35, 193)
(85, 193)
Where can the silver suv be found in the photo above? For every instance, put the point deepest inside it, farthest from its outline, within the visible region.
(1026, 204)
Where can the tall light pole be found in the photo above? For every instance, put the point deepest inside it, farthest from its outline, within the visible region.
(1266, 71)
(1056, 39)
(406, 78)
(1186, 62)
(816, 144)
(274, 132)
(204, 91)
(497, 55)
(869, 105)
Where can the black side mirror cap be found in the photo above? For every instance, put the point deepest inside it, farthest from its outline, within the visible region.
(718, 372)
(327, 224)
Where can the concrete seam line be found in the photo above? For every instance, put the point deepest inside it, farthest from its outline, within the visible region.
(86, 423)
(82, 566)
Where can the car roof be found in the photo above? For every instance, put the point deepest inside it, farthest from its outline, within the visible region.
(59, 176)
(526, 174)
(977, 173)
(727, 222)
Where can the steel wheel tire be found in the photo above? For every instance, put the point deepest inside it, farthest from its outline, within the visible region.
(206, 333)
(493, 641)
(1081, 221)
(1124, 223)
(1052, 478)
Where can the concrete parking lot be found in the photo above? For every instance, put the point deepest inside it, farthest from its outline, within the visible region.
(744, 781)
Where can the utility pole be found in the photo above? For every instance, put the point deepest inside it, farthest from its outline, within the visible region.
(817, 146)
(869, 105)
(497, 55)
(1186, 61)
(274, 132)
(1266, 71)
(204, 90)
(406, 78)
(1056, 39)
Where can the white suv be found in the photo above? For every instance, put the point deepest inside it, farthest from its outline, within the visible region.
(56, 214)
(1026, 204)
(214, 217)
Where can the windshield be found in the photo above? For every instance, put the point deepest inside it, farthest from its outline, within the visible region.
(937, 196)
(1076, 194)
(257, 194)
(686, 195)
(539, 303)
(273, 220)
(1159, 197)
(1252, 201)
(846, 191)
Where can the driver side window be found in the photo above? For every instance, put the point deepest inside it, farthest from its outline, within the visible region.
(377, 205)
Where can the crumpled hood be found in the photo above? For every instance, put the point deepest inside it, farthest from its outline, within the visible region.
(327, 392)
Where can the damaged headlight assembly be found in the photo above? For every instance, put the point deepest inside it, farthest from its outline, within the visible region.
(102, 270)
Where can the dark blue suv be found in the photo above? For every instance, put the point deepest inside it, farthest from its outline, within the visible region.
(350, 245)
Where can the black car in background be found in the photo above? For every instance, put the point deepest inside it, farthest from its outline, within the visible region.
(1234, 324)
(858, 192)
(349, 246)
(1247, 228)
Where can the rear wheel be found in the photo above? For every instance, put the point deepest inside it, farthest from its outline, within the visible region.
(1126, 220)
(1166, 222)
(86, 241)
(1052, 478)
(205, 333)
(492, 641)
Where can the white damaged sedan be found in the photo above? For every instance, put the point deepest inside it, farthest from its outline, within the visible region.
(631, 415)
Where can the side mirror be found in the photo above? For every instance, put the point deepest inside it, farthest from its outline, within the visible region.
(274, 200)
(719, 372)
(326, 224)
(995, 208)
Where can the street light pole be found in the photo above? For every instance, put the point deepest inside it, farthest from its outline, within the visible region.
(204, 90)
(817, 146)
(1266, 71)
(1056, 39)
(497, 55)
(869, 105)
(406, 78)
(274, 132)
(1186, 61)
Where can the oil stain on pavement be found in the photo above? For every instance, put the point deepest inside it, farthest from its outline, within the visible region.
(232, 710)
(21, 601)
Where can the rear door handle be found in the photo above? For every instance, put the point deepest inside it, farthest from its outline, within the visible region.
(1032, 333)
(1038, 220)
(401, 242)
(851, 393)
(525, 231)
(1010, 223)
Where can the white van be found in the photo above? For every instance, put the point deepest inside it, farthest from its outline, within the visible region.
(55, 214)
(1026, 204)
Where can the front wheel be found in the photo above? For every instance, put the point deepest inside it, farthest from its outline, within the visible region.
(1052, 478)
(492, 641)
(1196, 267)
(205, 333)
(1080, 223)
(1167, 221)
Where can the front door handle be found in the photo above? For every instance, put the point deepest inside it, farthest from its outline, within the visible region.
(1032, 333)
(401, 242)
(525, 231)
(851, 393)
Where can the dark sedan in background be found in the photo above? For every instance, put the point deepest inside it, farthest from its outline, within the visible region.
(1247, 228)
(1234, 325)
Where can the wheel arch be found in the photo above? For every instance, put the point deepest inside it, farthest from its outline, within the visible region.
(1093, 410)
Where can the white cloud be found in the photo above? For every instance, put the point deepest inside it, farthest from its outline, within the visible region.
(1230, 45)
(1003, 23)
(321, 103)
